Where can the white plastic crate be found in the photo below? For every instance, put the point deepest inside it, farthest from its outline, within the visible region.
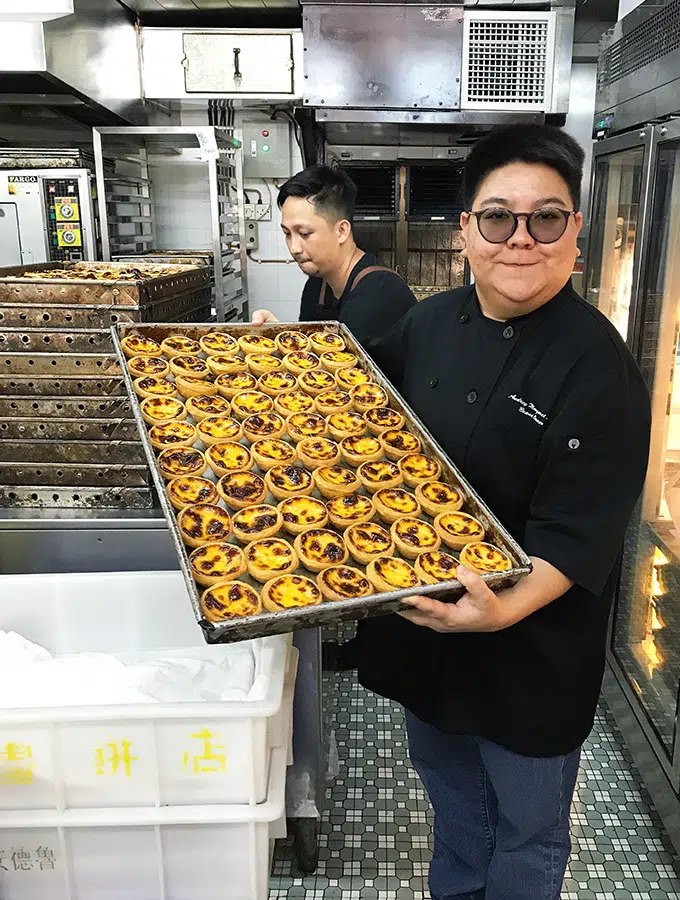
(176, 853)
(151, 755)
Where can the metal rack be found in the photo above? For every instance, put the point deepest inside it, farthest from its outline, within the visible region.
(126, 198)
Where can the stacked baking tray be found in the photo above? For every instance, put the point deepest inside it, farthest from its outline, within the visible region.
(67, 432)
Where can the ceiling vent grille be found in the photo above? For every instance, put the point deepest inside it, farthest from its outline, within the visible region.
(508, 61)
(652, 40)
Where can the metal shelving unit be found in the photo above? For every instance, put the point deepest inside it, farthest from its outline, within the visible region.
(126, 198)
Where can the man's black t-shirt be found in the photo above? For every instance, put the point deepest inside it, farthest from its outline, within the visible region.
(547, 416)
(374, 306)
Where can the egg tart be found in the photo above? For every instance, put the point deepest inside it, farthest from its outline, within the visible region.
(235, 383)
(159, 410)
(260, 363)
(241, 489)
(305, 425)
(302, 513)
(173, 434)
(414, 536)
(346, 424)
(268, 557)
(188, 386)
(326, 340)
(150, 386)
(193, 366)
(397, 443)
(382, 418)
(346, 379)
(380, 474)
(200, 408)
(251, 403)
(274, 383)
(335, 481)
(290, 592)
(272, 452)
(291, 342)
(215, 429)
(418, 468)
(217, 562)
(343, 583)
(137, 345)
(218, 343)
(393, 503)
(314, 452)
(360, 449)
(350, 509)
(436, 497)
(316, 382)
(300, 361)
(319, 548)
(178, 345)
(256, 343)
(203, 523)
(368, 541)
(435, 566)
(366, 396)
(140, 366)
(484, 558)
(334, 360)
(328, 402)
(224, 364)
(293, 402)
(387, 574)
(225, 457)
(288, 481)
(230, 600)
(256, 523)
(180, 461)
(457, 529)
(266, 425)
(189, 489)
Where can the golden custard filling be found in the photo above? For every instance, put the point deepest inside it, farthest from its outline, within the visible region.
(317, 380)
(420, 466)
(416, 533)
(254, 519)
(264, 424)
(219, 427)
(158, 386)
(229, 455)
(302, 510)
(441, 566)
(180, 344)
(237, 381)
(295, 401)
(353, 506)
(205, 520)
(319, 448)
(210, 405)
(336, 475)
(243, 487)
(333, 399)
(252, 402)
(384, 417)
(402, 440)
(229, 601)
(370, 395)
(370, 538)
(292, 341)
(361, 446)
(162, 407)
(309, 425)
(264, 361)
(461, 524)
(181, 461)
(218, 560)
(352, 377)
(290, 478)
(139, 345)
(396, 572)
(377, 472)
(172, 433)
(147, 365)
(191, 489)
(192, 365)
(277, 380)
(346, 581)
(397, 500)
(300, 359)
(328, 340)
(339, 357)
(271, 553)
(274, 449)
(323, 546)
(257, 342)
(486, 557)
(290, 591)
(439, 493)
(347, 421)
(215, 342)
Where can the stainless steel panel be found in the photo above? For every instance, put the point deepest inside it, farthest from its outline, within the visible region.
(60, 364)
(41, 497)
(54, 386)
(243, 63)
(20, 315)
(73, 475)
(36, 340)
(383, 57)
(64, 407)
(112, 453)
(377, 604)
(69, 429)
(10, 243)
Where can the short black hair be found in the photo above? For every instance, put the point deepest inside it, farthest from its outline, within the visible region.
(538, 144)
(331, 191)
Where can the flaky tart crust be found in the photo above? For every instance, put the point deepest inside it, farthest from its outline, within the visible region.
(178, 345)
(334, 360)
(304, 425)
(264, 425)
(251, 403)
(138, 345)
(270, 452)
(358, 449)
(381, 474)
(299, 514)
(436, 497)
(203, 523)
(319, 548)
(436, 566)
(189, 489)
(218, 343)
(366, 396)
(457, 529)
(174, 462)
(397, 442)
(268, 558)
(151, 386)
(235, 383)
(291, 341)
(177, 433)
(350, 509)
(188, 386)
(394, 503)
(256, 523)
(217, 562)
(326, 340)
(291, 402)
(382, 418)
(242, 489)
(228, 456)
(413, 536)
(348, 378)
(188, 364)
(301, 361)
(346, 424)
(230, 600)
(417, 468)
(315, 452)
(139, 366)
(389, 574)
(483, 558)
(343, 583)
(216, 429)
(256, 343)
(290, 592)
(335, 481)
(278, 382)
(328, 402)
(288, 481)
(208, 405)
(368, 541)
(316, 382)
(261, 363)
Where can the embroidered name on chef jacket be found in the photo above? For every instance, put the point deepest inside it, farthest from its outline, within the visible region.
(528, 409)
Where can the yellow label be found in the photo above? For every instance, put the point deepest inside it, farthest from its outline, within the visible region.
(68, 235)
(66, 209)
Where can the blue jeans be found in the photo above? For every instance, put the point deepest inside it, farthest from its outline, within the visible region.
(501, 821)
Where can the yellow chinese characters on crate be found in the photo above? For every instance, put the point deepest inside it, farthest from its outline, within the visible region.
(210, 760)
(16, 763)
(113, 757)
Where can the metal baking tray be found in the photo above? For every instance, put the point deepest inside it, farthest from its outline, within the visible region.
(55, 340)
(41, 496)
(345, 610)
(37, 429)
(107, 365)
(84, 407)
(43, 451)
(27, 315)
(51, 386)
(17, 289)
(73, 475)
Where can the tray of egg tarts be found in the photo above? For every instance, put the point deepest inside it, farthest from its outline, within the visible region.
(298, 486)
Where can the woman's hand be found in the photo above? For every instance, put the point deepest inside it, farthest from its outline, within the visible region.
(263, 317)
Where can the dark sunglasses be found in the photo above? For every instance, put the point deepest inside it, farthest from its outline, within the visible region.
(497, 225)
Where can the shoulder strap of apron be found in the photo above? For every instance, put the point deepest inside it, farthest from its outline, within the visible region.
(364, 272)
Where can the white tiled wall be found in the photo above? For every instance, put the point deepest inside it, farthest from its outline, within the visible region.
(181, 205)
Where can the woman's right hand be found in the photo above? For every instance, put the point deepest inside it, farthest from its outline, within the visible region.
(263, 317)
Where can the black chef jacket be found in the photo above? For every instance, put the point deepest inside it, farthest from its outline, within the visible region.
(548, 417)
(374, 306)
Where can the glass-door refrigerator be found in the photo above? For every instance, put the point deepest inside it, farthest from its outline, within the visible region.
(633, 276)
